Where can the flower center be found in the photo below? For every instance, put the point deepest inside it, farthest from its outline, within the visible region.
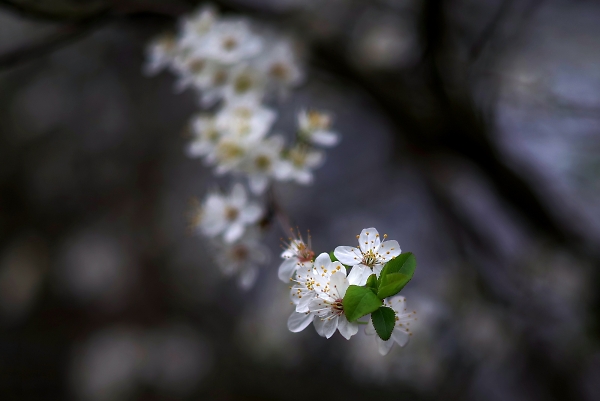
(243, 84)
(338, 307)
(305, 254)
(240, 253)
(229, 43)
(197, 66)
(369, 259)
(231, 213)
(279, 71)
(228, 151)
(318, 120)
(220, 77)
(263, 162)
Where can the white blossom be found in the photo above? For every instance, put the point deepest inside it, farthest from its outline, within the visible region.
(301, 161)
(315, 126)
(227, 214)
(206, 136)
(296, 253)
(246, 119)
(401, 332)
(370, 257)
(280, 66)
(319, 292)
(264, 162)
(229, 42)
(242, 258)
(160, 54)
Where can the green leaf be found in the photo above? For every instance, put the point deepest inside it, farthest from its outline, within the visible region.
(404, 263)
(359, 301)
(332, 257)
(384, 320)
(392, 284)
(372, 283)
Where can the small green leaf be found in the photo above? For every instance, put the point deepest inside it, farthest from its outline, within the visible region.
(372, 283)
(404, 263)
(359, 301)
(332, 257)
(392, 284)
(384, 320)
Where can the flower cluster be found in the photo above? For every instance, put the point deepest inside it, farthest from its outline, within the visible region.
(320, 288)
(232, 64)
(239, 70)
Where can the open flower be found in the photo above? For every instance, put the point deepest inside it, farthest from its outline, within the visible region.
(314, 127)
(318, 293)
(242, 259)
(263, 162)
(370, 257)
(301, 161)
(230, 41)
(228, 214)
(206, 136)
(401, 332)
(295, 255)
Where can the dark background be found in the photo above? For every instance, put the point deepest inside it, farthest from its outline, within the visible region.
(470, 135)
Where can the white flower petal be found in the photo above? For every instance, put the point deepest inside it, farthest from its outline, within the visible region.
(348, 255)
(251, 213)
(258, 183)
(238, 196)
(325, 138)
(248, 277)
(299, 321)
(286, 270)
(400, 337)
(369, 328)
(234, 232)
(326, 326)
(357, 273)
(384, 346)
(304, 303)
(346, 328)
(389, 250)
(338, 285)
(369, 240)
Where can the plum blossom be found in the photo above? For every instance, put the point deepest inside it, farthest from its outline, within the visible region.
(264, 162)
(295, 255)
(227, 214)
(401, 332)
(319, 293)
(315, 127)
(242, 258)
(301, 161)
(370, 257)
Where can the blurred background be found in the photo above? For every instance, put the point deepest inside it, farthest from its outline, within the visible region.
(470, 135)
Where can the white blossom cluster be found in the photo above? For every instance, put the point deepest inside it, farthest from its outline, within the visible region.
(320, 284)
(239, 71)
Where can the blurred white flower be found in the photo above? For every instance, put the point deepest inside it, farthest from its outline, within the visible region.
(246, 119)
(160, 54)
(264, 162)
(370, 258)
(295, 254)
(281, 66)
(314, 127)
(196, 26)
(302, 160)
(242, 258)
(228, 214)
(206, 136)
(244, 83)
(229, 42)
(401, 332)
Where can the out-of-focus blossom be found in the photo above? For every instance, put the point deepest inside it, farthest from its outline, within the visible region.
(315, 127)
(242, 258)
(228, 214)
